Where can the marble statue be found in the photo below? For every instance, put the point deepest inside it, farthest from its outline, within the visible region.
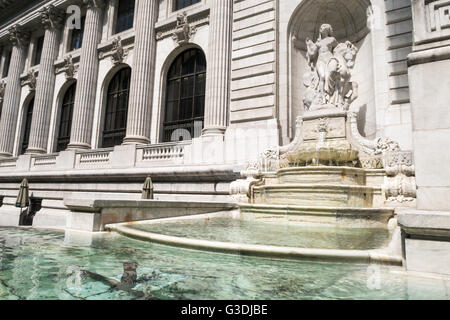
(329, 78)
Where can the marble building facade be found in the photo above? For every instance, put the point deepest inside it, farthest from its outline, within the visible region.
(190, 91)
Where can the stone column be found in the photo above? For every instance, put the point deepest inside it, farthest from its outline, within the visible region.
(219, 67)
(141, 86)
(84, 105)
(10, 110)
(52, 19)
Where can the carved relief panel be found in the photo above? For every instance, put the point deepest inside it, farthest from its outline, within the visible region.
(431, 20)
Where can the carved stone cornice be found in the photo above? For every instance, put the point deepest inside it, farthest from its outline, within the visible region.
(95, 4)
(18, 36)
(69, 68)
(184, 31)
(30, 80)
(116, 51)
(194, 20)
(52, 17)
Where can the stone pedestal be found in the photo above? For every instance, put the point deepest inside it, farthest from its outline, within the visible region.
(426, 240)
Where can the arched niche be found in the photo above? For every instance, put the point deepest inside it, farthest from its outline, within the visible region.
(349, 21)
(100, 117)
(170, 59)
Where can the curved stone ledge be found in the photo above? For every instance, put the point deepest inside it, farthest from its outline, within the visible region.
(308, 254)
(372, 217)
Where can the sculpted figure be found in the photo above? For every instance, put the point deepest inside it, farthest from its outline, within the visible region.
(330, 64)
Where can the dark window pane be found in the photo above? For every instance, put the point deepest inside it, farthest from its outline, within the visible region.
(65, 125)
(200, 84)
(199, 107)
(180, 4)
(7, 64)
(38, 51)
(186, 109)
(125, 15)
(173, 90)
(185, 97)
(27, 129)
(187, 87)
(188, 63)
(77, 37)
(116, 112)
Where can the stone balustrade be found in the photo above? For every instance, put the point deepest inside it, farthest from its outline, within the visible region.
(163, 152)
(8, 164)
(124, 157)
(93, 158)
(47, 160)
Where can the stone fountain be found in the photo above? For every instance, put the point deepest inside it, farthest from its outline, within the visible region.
(329, 172)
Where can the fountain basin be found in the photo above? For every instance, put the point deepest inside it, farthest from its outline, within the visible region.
(37, 264)
(329, 153)
(200, 234)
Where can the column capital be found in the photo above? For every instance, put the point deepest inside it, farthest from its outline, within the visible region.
(52, 17)
(95, 4)
(18, 35)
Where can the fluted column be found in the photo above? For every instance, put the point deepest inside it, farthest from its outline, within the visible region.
(141, 86)
(84, 105)
(52, 19)
(219, 67)
(10, 110)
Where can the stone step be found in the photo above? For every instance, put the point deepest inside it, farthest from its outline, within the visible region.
(329, 195)
(370, 217)
(323, 175)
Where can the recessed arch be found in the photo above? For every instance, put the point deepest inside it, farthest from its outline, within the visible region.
(347, 17)
(349, 20)
(115, 97)
(183, 93)
(65, 115)
(26, 119)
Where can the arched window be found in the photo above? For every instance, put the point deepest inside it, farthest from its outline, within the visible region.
(116, 112)
(185, 101)
(65, 123)
(125, 15)
(26, 132)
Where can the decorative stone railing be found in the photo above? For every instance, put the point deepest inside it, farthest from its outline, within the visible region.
(164, 152)
(8, 163)
(47, 160)
(93, 158)
(124, 157)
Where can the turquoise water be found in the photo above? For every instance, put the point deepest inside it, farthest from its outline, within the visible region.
(48, 265)
(272, 233)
